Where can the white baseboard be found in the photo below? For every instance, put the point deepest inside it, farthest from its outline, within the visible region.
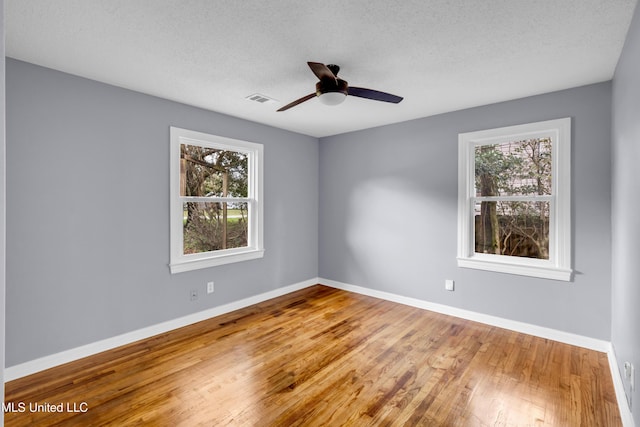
(46, 362)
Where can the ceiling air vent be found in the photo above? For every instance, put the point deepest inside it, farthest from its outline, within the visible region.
(262, 99)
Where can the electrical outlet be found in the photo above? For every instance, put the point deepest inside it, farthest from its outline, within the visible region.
(629, 373)
(629, 376)
(209, 287)
(193, 295)
(448, 285)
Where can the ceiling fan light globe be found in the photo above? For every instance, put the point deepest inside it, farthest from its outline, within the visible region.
(332, 98)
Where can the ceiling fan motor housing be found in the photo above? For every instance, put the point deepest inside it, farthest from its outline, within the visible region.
(331, 85)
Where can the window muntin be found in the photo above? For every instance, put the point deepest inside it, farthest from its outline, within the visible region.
(216, 200)
(514, 199)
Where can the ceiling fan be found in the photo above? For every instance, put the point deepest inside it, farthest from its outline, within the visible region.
(332, 90)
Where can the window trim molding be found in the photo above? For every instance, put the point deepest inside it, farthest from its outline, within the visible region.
(558, 266)
(179, 262)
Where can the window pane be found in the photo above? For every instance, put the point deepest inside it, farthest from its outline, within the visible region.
(210, 172)
(214, 226)
(512, 228)
(514, 168)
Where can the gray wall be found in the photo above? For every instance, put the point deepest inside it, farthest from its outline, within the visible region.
(625, 328)
(88, 212)
(388, 213)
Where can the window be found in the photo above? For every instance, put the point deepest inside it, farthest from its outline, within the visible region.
(216, 200)
(514, 211)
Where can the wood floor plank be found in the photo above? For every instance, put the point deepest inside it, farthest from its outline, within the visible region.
(322, 356)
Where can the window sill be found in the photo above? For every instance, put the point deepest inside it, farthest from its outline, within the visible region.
(212, 261)
(524, 269)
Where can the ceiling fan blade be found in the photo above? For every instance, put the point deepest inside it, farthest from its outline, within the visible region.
(298, 101)
(321, 71)
(374, 94)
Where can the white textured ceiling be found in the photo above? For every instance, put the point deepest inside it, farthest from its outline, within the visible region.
(440, 55)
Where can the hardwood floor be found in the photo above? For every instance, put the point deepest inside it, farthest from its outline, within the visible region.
(326, 357)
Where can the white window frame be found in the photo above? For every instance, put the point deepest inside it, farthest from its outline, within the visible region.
(179, 262)
(558, 266)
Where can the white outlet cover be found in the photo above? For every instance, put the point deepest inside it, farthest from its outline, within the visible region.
(448, 285)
